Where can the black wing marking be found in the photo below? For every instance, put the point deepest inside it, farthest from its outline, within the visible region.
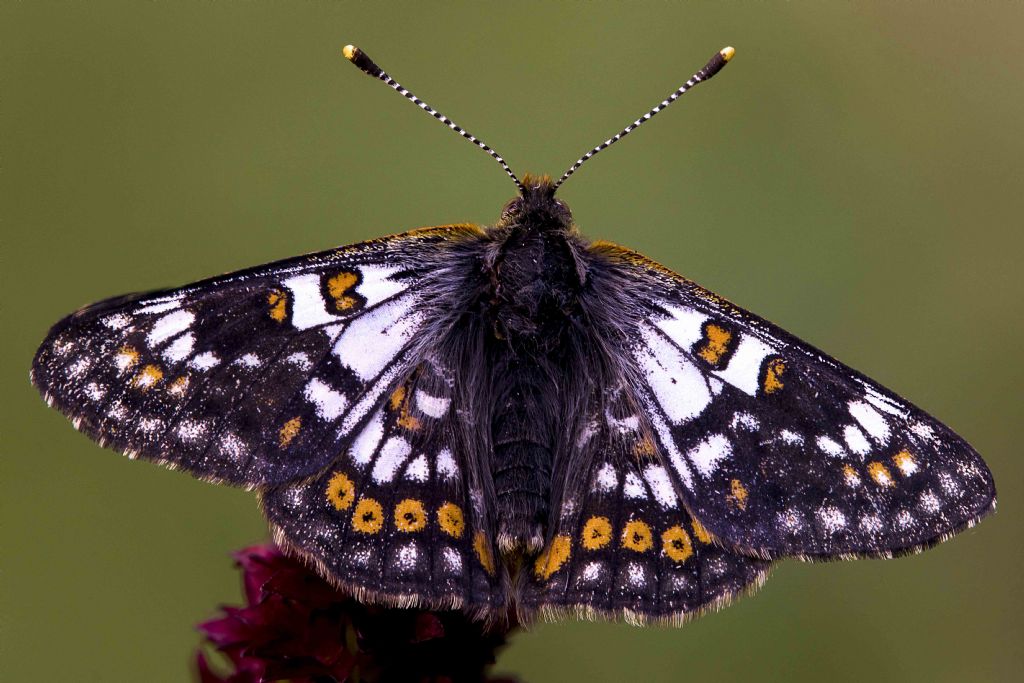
(777, 448)
(251, 378)
(624, 546)
(399, 518)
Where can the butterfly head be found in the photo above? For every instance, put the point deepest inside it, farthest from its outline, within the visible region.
(537, 207)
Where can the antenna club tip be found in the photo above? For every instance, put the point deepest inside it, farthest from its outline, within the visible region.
(726, 52)
(350, 52)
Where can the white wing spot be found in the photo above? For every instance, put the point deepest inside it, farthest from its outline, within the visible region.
(637, 575)
(661, 485)
(871, 420)
(832, 519)
(706, 455)
(330, 404)
(366, 442)
(432, 406)
(205, 361)
(392, 454)
(408, 556)
(117, 321)
(829, 446)
(677, 384)
(446, 465)
(300, 359)
(905, 520)
(249, 360)
(744, 367)
(452, 560)
(233, 446)
(169, 326)
(95, 391)
(634, 487)
(308, 309)
(790, 437)
(923, 431)
(150, 425)
(180, 348)
(607, 478)
(79, 368)
(856, 441)
(592, 572)
(685, 327)
(161, 306)
(871, 524)
(745, 421)
(376, 284)
(417, 469)
(790, 521)
(930, 503)
(191, 430)
(372, 340)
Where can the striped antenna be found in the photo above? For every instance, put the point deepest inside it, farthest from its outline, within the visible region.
(367, 66)
(713, 66)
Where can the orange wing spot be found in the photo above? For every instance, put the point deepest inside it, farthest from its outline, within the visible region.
(880, 473)
(716, 344)
(147, 377)
(851, 476)
(399, 402)
(178, 387)
(597, 533)
(278, 303)
(677, 544)
(738, 494)
(451, 520)
(339, 287)
(906, 463)
(410, 516)
(483, 552)
(289, 431)
(700, 532)
(341, 492)
(553, 557)
(637, 536)
(126, 357)
(368, 517)
(773, 376)
(397, 398)
(644, 448)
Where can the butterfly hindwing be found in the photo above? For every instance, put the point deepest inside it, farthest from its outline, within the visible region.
(779, 449)
(398, 518)
(624, 545)
(252, 378)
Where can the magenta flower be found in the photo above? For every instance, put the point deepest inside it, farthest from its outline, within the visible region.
(296, 627)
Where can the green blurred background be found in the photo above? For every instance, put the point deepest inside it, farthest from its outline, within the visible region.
(854, 175)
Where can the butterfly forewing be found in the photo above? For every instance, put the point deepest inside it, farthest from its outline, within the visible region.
(252, 378)
(779, 449)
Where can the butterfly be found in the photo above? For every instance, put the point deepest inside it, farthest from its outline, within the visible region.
(514, 418)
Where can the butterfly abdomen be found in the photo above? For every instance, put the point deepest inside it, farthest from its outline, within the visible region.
(521, 466)
(533, 304)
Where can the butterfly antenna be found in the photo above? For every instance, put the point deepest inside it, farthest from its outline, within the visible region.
(713, 66)
(367, 66)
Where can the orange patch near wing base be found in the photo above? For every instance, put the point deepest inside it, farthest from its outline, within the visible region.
(553, 557)
(773, 376)
(339, 286)
(289, 430)
(715, 345)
